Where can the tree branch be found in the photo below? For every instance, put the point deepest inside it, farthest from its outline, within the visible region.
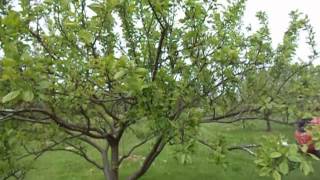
(244, 147)
(61, 122)
(210, 119)
(159, 52)
(155, 151)
(134, 148)
(43, 44)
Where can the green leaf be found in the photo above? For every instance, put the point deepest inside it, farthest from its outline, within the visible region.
(275, 155)
(119, 74)
(306, 168)
(265, 171)
(70, 24)
(43, 97)
(269, 105)
(141, 71)
(304, 148)
(317, 146)
(283, 167)
(276, 175)
(44, 84)
(12, 95)
(12, 19)
(8, 62)
(260, 162)
(294, 158)
(27, 96)
(122, 62)
(95, 7)
(11, 50)
(85, 36)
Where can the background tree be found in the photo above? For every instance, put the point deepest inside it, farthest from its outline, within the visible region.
(86, 74)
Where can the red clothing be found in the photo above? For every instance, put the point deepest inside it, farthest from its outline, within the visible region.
(305, 138)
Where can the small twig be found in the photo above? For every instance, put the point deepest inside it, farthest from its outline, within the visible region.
(244, 147)
(135, 147)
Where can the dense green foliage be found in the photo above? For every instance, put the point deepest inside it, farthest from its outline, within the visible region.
(79, 75)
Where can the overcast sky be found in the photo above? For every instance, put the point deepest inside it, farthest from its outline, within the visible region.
(277, 11)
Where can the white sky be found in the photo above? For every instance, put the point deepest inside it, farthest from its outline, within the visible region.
(278, 13)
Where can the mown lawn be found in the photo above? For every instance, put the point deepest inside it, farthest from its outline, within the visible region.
(66, 166)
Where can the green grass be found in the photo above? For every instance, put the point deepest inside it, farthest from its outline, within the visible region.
(66, 166)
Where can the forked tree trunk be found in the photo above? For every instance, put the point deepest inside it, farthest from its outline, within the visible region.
(111, 166)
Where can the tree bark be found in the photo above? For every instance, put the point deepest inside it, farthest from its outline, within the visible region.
(267, 118)
(114, 172)
(111, 167)
(106, 165)
(268, 125)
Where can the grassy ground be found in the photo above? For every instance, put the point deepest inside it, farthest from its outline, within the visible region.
(66, 166)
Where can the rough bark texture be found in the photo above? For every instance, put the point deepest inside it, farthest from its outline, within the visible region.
(115, 161)
(111, 166)
(106, 166)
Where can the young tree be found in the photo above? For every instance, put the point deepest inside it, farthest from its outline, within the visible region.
(86, 73)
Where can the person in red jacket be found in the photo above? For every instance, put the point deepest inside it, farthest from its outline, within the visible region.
(305, 138)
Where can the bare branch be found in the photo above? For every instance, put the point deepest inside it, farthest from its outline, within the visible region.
(159, 52)
(210, 119)
(156, 14)
(54, 147)
(61, 122)
(244, 147)
(153, 154)
(43, 44)
(96, 101)
(134, 148)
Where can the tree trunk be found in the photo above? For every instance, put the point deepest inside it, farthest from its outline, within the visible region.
(287, 115)
(111, 168)
(268, 125)
(106, 166)
(267, 118)
(243, 124)
(115, 161)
